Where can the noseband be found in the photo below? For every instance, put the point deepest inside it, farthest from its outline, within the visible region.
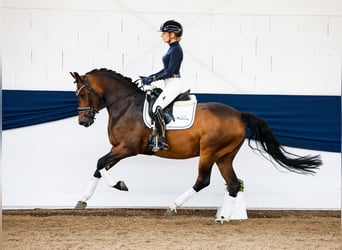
(90, 109)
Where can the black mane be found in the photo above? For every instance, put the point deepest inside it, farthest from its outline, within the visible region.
(114, 73)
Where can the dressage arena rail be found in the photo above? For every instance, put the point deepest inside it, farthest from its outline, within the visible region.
(125, 212)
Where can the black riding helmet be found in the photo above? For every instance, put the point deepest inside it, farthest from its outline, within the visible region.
(172, 26)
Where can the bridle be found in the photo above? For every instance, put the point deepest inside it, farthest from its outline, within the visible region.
(92, 111)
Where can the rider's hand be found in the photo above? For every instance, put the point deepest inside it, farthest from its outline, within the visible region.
(147, 80)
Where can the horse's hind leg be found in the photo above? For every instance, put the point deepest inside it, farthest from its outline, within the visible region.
(203, 180)
(226, 169)
(225, 165)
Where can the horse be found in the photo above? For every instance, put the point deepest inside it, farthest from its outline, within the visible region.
(216, 142)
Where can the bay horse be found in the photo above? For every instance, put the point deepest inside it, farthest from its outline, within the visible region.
(217, 141)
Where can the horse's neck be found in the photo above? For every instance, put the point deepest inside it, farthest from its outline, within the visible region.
(123, 99)
(113, 89)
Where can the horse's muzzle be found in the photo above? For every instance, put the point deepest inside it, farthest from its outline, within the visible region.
(86, 122)
(86, 116)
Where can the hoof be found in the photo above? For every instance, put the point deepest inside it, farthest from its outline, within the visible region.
(220, 220)
(81, 205)
(170, 212)
(121, 186)
(217, 221)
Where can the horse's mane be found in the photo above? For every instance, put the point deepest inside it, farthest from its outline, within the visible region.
(115, 74)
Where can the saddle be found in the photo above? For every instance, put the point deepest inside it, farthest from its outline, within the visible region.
(179, 114)
(168, 110)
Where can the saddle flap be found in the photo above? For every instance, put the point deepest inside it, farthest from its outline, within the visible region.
(183, 113)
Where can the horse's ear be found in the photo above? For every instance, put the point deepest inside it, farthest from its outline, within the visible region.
(76, 76)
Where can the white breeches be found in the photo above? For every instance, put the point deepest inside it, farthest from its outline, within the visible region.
(173, 87)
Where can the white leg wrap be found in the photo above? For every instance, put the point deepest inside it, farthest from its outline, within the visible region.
(107, 179)
(232, 208)
(225, 212)
(183, 198)
(90, 189)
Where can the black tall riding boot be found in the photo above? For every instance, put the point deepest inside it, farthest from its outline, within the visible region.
(160, 126)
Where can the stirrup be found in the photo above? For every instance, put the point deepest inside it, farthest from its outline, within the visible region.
(162, 143)
(155, 147)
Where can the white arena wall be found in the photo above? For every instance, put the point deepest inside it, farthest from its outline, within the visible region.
(241, 47)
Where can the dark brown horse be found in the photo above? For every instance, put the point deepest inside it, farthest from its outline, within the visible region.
(217, 141)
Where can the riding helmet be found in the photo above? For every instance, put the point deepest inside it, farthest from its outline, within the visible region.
(172, 26)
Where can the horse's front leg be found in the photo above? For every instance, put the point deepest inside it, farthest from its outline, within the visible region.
(82, 203)
(103, 165)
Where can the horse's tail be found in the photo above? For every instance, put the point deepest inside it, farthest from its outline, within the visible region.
(263, 135)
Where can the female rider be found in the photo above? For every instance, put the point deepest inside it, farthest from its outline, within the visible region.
(172, 60)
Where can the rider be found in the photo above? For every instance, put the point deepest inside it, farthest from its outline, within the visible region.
(172, 60)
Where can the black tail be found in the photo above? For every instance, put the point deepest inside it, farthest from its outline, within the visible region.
(263, 135)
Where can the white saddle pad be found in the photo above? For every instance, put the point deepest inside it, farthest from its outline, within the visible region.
(183, 112)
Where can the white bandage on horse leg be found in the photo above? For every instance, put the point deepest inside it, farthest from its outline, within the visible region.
(107, 179)
(226, 209)
(183, 198)
(90, 189)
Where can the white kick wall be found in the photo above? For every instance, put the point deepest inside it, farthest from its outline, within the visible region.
(246, 46)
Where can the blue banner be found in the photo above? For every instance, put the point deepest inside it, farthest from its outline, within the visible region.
(22, 108)
(312, 122)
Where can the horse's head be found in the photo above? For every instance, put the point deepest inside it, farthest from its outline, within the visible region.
(88, 100)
